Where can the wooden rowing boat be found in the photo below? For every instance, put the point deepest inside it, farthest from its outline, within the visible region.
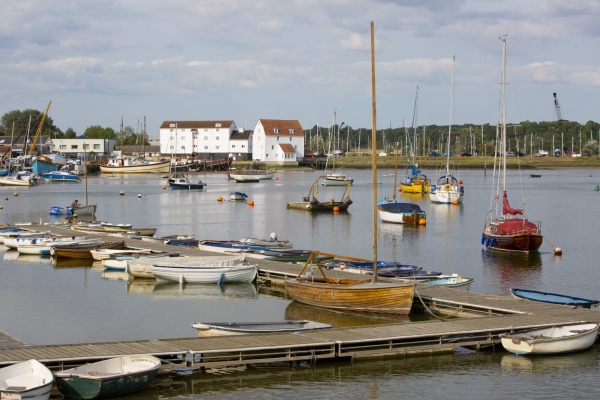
(77, 250)
(556, 339)
(29, 380)
(205, 329)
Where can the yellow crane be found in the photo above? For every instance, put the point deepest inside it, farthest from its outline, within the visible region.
(39, 129)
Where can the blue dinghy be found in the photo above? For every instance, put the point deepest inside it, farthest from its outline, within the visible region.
(553, 298)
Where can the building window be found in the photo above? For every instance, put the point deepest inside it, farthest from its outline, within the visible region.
(217, 129)
(171, 138)
(276, 130)
(206, 130)
(272, 147)
(96, 147)
(205, 137)
(295, 147)
(183, 138)
(233, 146)
(291, 131)
(86, 146)
(266, 155)
(73, 147)
(63, 146)
(217, 137)
(217, 147)
(278, 138)
(290, 138)
(205, 147)
(243, 146)
(171, 147)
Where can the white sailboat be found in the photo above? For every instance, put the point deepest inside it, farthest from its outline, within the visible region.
(335, 178)
(447, 189)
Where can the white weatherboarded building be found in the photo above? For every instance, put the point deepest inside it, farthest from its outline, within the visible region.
(278, 141)
(202, 139)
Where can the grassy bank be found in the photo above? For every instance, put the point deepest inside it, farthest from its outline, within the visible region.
(457, 162)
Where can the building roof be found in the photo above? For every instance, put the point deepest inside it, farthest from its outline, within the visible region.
(237, 135)
(283, 126)
(308, 153)
(287, 148)
(197, 124)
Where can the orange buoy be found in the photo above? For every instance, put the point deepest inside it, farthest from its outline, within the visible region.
(336, 209)
(164, 187)
(460, 182)
(400, 189)
(557, 251)
(251, 203)
(422, 221)
(220, 198)
(276, 178)
(455, 202)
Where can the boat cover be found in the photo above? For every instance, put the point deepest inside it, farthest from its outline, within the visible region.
(398, 208)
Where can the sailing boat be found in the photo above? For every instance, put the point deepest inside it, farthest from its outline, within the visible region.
(393, 211)
(508, 232)
(355, 294)
(415, 182)
(335, 178)
(447, 189)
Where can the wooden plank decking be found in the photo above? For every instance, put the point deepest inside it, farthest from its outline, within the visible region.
(487, 317)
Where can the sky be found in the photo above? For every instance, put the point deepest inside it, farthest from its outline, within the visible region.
(240, 60)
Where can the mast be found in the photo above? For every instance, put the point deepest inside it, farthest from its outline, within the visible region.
(122, 162)
(503, 114)
(144, 139)
(450, 126)
(373, 155)
(85, 173)
(416, 138)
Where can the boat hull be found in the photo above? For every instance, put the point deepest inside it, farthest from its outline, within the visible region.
(204, 274)
(251, 176)
(416, 187)
(84, 251)
(445, 196)
(520, 242)
(107, 381)
(353, 295)
(336, 180)
(208, 329)
(186, 186)
(410, 218)
(154, 168)
(319, 206)
(554, 340)
(29, 380)
(552, 298)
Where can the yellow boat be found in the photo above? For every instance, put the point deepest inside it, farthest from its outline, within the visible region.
(416, 183)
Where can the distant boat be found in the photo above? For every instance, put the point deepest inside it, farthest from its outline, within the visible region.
(42, 165)
(62, 175)
(184, 183)
(109, 378)
(29, 380)
(245, 328)
(553, 298)
(18, 180)
(534, 176)
(236, 196)
(134, 166)
(251, 175)
(79, 210)
(557, 339)
(311, 203)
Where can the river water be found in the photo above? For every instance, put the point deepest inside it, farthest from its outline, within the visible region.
(46, 303)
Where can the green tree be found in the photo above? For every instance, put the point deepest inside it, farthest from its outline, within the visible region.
(98, 132)
(70, 133)
(27, 120)
(591, 148)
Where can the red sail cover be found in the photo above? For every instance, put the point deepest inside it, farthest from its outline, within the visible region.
(507, 209)
(517, 225)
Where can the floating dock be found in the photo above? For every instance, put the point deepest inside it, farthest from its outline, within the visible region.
(465, 319)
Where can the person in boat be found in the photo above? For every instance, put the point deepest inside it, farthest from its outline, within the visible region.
(75, 204)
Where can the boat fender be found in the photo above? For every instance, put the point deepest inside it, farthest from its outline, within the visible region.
(482, 238)
(433, 190)
(493, 242)
(486, 242)
(221, 279)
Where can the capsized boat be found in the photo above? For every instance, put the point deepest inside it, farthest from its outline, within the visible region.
(557, 339)
(29, 380)
(510, 231)
(311, 203)
(109, 378)
(244, 328)
(553, 298)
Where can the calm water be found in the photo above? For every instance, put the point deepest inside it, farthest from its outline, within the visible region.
(44, 303)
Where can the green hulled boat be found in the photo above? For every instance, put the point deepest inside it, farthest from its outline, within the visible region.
(113, 377)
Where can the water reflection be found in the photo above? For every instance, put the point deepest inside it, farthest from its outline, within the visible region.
(68, 263)
(584, 361)
(508, 270)
(165, 290)
(114, 275)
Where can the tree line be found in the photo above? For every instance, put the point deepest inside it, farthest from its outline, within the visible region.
(17, 122)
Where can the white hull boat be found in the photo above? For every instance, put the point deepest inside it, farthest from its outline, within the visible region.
(203, 273)
(251, 175)
(140, 267)
(103, 254)
(14, 243)
(244, 328)
(29, 380)
(455, 282)
(446, 194)
(336, 179)
(149, 168)
(557, 339)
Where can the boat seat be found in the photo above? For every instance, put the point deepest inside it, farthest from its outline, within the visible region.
(16, 388)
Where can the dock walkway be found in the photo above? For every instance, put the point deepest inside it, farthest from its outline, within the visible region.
(485, 317)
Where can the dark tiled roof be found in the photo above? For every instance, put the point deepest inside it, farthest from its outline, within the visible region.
(287, 148)
(197, 124)
(237, 135)
(283, 126)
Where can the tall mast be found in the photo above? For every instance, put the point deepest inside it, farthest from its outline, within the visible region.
(144, 139)
(450, 126)
(373, 155)
(503, 114)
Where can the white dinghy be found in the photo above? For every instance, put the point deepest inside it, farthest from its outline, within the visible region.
(557, 339)
(233, 270)
(26, 380)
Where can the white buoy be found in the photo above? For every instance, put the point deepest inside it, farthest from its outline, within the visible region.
(139, 196)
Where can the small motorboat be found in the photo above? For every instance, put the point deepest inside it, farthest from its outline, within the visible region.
(454, 281)
(184, 183)
(62, 175)
(237, 196)
(557, 339)
(29, 380)
(553, 298)
(109, 378)
(245, 328)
